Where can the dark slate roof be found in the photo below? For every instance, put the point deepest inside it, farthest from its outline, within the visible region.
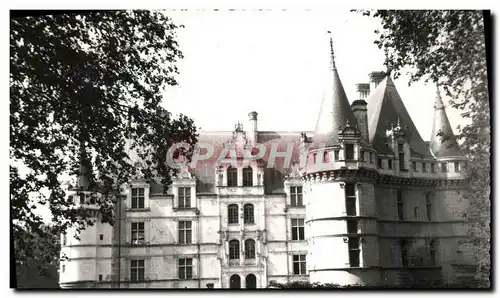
(441, 148)
(273, 177)
(385, 107)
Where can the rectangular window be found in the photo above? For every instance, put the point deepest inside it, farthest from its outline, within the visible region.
(314, 158)
(403, 244)
(299, 264)
(379, 164)
(232, 214)
(63, 268)
(185, 232)
(457, 166)
(433, 167)
(298, 229)
(349, 151)
(247, 177)
(433, 252)
(354, 251)
(415, 212)
(136, 270)
(100, 277)
(137, 233)
(414, 166)
(352, 226)
(371, 157)
(336, 154)
(101, 237)
(444, 167)
(82, 198)
(389, 164)
(65, 239)
(400, 204)
(350, 199)
(428, 206)
(424, 167)
(402, 162)
(232, 177)
(184, 197)
(137, 198)
(70, 200)
(185, 268)
(296, 196)
(401, 148)
(361, 155)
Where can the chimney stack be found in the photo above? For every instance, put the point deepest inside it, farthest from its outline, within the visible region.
(375, 78)
(363, 90)
(360, 110)
(252, 131)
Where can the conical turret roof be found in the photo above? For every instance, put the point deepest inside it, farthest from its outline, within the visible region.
(84, 172)
(335, 109)
(387, 109)
(439, 147)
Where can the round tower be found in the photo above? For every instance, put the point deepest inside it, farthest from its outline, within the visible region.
(88, 263)
(340, 207)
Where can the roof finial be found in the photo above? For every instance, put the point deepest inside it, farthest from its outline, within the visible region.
(331, 51)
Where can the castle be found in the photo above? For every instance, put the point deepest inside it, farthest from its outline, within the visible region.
(361, 200)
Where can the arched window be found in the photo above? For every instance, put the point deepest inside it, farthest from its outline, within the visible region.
(232, 214)
(232, 176)
(247, 176)
(249, 249)
(248, 215)
(234, 249)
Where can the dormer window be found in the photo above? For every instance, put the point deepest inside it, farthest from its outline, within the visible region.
(349, 151)
(401, 154)
(379, 163)
(184, 197)
(325, 156)
(389, 164)
(336, 154)
(247, 176)
(137, 198)
(232, 177)
(444, 167)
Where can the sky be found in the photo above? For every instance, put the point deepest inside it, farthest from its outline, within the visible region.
(276, 63)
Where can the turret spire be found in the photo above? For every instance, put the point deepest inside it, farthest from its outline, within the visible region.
(439, 146)
(332, 54)
(335, 108)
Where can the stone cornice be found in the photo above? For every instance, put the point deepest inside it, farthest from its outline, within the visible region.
(369, 175)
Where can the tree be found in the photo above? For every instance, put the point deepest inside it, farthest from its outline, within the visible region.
(82, 86)
(40, 270)
(448, 48)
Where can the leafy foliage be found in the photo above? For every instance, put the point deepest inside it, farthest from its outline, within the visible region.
(87, 87)
(40, 269)
(448, 48)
